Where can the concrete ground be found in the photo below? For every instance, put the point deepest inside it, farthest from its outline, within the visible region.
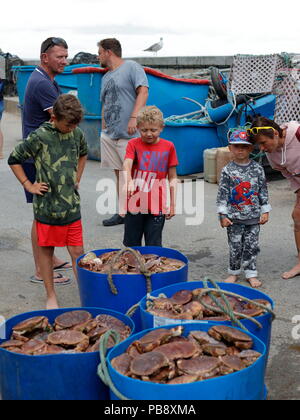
(204, 245)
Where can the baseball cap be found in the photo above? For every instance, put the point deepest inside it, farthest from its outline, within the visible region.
(239, 137)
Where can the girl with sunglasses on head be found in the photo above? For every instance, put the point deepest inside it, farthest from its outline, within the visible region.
(282, 147)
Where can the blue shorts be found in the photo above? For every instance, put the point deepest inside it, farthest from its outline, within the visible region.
(30, 171)
(1, 108)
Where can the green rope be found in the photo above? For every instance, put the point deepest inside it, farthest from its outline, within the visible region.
(228, 310)
(142, 265)
(103, 372)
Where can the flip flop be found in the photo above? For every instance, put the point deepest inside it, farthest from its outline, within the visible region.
(33, 279)
(64, 266)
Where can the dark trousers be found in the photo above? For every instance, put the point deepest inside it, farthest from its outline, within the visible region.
(147, 225)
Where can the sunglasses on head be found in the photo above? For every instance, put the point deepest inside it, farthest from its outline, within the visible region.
(255, 130)
(51, 42)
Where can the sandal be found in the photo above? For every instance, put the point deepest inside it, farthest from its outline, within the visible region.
(64, 266)
(67, 280)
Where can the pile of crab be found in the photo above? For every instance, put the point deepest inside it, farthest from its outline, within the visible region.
(72, 332)
(197, 305)
(165, 356)
(128, 263)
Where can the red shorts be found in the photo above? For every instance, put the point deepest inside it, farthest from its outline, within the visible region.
(53, 236)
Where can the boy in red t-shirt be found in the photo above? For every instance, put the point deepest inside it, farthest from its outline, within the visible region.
(149, 163)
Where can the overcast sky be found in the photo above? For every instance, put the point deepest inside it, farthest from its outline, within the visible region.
(192, 27)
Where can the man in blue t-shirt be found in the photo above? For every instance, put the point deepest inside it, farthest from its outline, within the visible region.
(40, 95)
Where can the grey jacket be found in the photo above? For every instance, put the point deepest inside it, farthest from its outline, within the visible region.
(243, 193)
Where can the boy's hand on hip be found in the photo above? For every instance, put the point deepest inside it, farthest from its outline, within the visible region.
(264, 219)
(38, 188)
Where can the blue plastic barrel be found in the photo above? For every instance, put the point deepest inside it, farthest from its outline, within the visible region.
(247, 384)
(95, 291)
(91, 126)
(190, 140)
(22, 74)
(89, 86)
(150, 321)
(66, 80)
(167, 93)
(53, 377)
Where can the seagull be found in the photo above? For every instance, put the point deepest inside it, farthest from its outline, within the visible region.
(156, 47)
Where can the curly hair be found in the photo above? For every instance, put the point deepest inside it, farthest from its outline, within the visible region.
(67, 107)
(150, 114)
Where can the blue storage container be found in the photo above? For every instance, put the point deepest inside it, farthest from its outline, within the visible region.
(167, 93)
(95, 291)
(66, 80)
(53, 377)
(247, 384)
(89, 87)
(22, 74)
(264, 334)
(91, 126)
(190, 140)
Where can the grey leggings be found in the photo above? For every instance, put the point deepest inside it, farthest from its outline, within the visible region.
(243, 241)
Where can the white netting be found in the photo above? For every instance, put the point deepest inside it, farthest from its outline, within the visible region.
(254, 73)
(286, 89)
(262, 74)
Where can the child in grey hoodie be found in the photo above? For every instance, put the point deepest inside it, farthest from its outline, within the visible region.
(243, 205)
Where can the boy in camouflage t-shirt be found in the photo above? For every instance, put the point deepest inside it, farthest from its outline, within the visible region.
(59, 150)
(243, 206)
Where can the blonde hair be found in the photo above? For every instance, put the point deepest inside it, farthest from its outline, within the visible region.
(150, 114)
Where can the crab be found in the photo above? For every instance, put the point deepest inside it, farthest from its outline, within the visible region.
(148, 364)
(154, 339)
(111, 323)
(202, 337)
(33, 347)
(195, 309)
(12, 345)
(182, 297)
(215, 350)
(69, 340)
(183, 379)
(230, 335)
(26, 329)
(122, 364)
(179, 350)
(249, 356)
(74, 320)
(171, 314)
(203, 367)
(230, 364)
